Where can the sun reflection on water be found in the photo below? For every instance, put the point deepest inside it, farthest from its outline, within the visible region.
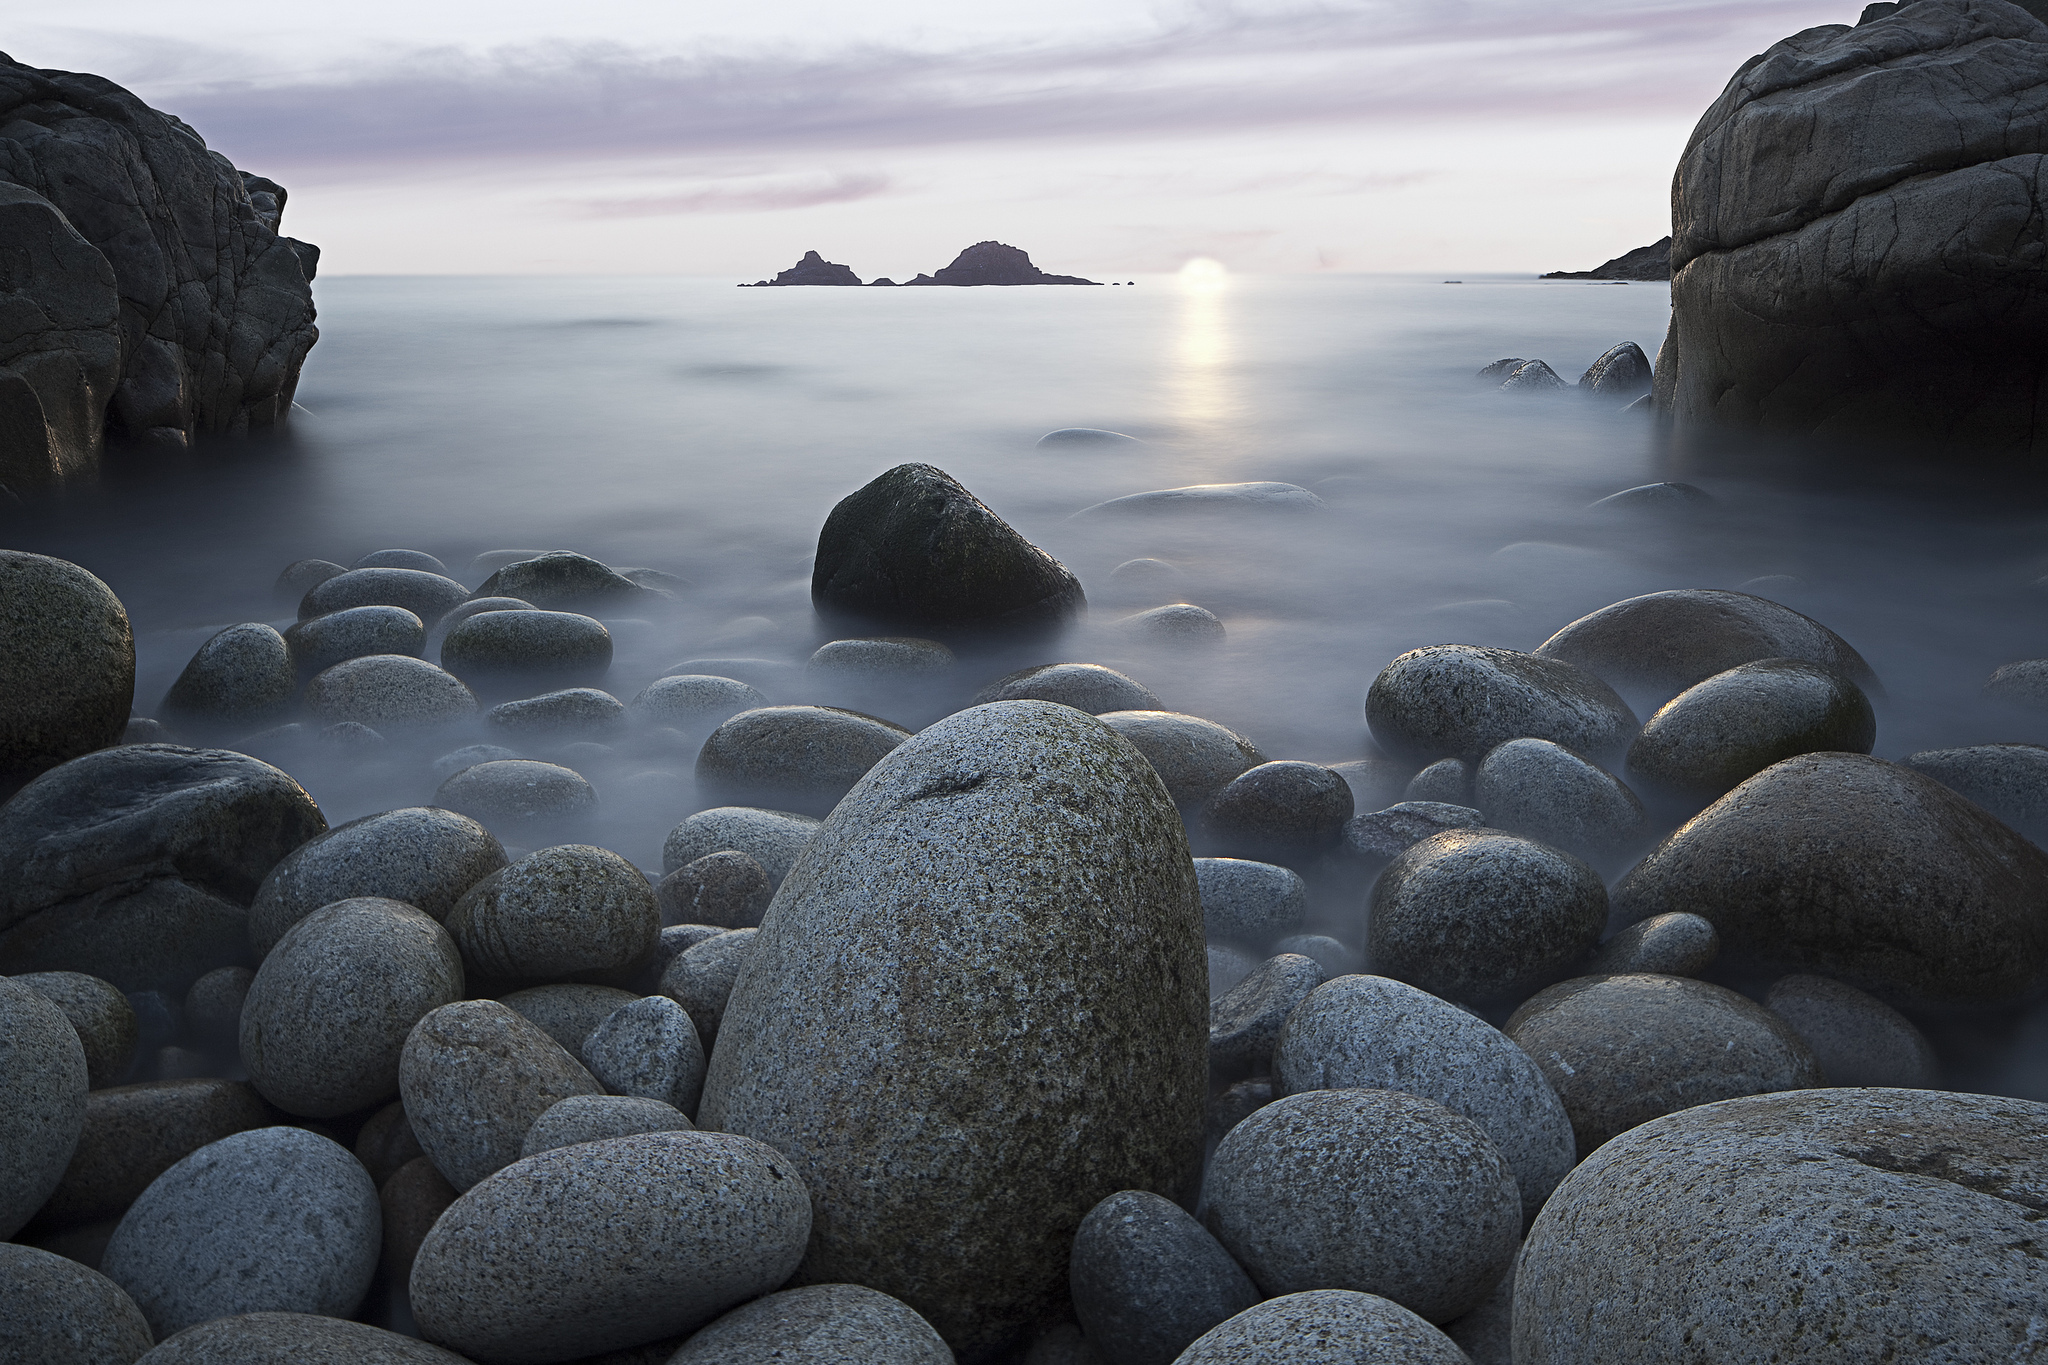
(1204, 398)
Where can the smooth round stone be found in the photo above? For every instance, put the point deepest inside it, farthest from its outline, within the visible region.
(567, 1011)
(1249, 902)
(1138, 579)
(1663, 945)
(773, 838)
(1824, 1225)
(561, 580)
(728, 888)
(1335, 958)
(1279, 810)
(401, 559)
(43, 1084)
(476, 606)
(1070, 437)
(1373, 1033)
(1446, 782)
(1545, 792)
(301, 576)
(2009, 780)
(517, 790)
(132, 1134)
(1244, 1026)
(356, 738)
(161, 933)
(100, 1015)
(799, 758)
(412, 1200)
(1460, 701)
(596, 1118)
(1178, 623)
(1227, 967)
(386, 1142)
(608, 1244)
(694, 701)
(824, 1322)
(1377, 838)
(575, 710)
(1085, 687)
(880, 660)
(54, 1311)
(422, 855)
(1853, 868)
(474, 1076)
(389, 692)
(1263, 496)
(213, 1006)
(502, 647)
(354, 633)
(244, 673)
(1622, 1050)
(558, 912)
(424, 594)
(1370, 1190)
(772, 677)
(275, 1219)
(700, 979)
(1722, 731)
(67, 664)
(1147, 1279)
(676, 940)
(649, 1048)
(1479, 916)
(333, 1002)
(1325, 1327)
(1193, 757)
(294, 1339)
(1857, 1038)
(2023, 683)
(468, 756)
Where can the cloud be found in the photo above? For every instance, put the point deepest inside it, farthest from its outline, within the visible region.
(804, 194)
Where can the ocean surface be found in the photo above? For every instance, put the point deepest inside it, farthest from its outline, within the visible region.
(685, 425)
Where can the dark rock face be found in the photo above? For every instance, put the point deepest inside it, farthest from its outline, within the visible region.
(67, 660)
(812, 269)
(1652, 262)
(914, 549)
(215, 315)
(994, 263)
(1857, 241)
(1622, 371)
(60, 362)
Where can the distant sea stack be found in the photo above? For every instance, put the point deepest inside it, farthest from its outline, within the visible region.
(1645, 263)
(812, 269)
(994, 263)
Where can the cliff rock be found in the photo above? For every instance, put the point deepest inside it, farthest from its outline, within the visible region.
(1645, 263)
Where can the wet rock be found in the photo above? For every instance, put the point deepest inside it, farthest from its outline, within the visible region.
(400, 559)
(425, 595)
(453, 762)
(880, 663)
(131, 1134)
(389, 692)
(1545, 792)
(573, 711)
(608, 1244)
(1283, 811)
(1179, 623)
(2009, 780)
(1891, 1219)
(649, 1048)
(1244, 1026)
(57, 1312)
(500, 649)
(1147, 1279)
(694, 701)
(1369, 1032)
(728, 888)
(354, 633)
(333, 1002)
(1085, 687)
(301, 576)
(244, 673)
(567, 1011)
(411, 1201)
(386, 1142)
(1676, 944)
(294, 1339)
(1334, 958)
(1717, 733)
(1370, 1190)
(820, 1321)
(1460, 701)
(213, 1007)
(1622, 372)
(799, 758)
(1376, 839)
(1857, 1038)
(1192, 756)
(421, 855)
(1446, 782)
(517, 791)
(1479, 916)
(700, 979)
(1325, 1327)
(1261, 496)
(42, 1100)
(562, 580)
(1621, 1050)
(1669, 498)
(67, 664)
(565, 911)
(98, 1013)
(772, 838)
(595, 1118)
(1249, 902)
(2023, 684)
(272, 1219)
(1853, 868)
(1017, 903)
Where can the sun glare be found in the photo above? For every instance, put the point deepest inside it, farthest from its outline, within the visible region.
(1204, 272)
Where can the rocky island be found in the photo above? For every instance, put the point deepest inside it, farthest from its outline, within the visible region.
(812, 269)
(1645, 263)
(982, 263)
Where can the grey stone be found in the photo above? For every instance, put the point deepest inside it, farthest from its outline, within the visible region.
(98, 1013)
(1244, 1026)
(607, 1244)
(1676, 944)
(573, 711)
(1078, 436)
(490, 561)
(649, 1048)
(160, 933)
(1856, 1038)
(1375, 782)
(1719, 732)
(1143, 580)
(562, 580)
(1227, 966)
(389, 692)
(1370, 1190)
(1249, 902)
(1486, 1334)
(565, 911)
(1622, 372)
(913, 550)
(401, 559)
(595, 1118)
(518, 791)
(386, 1142)
(773, 838)
(1446, 782)
(42, 1100)
(961, 878)
(60, 352)
(1546, 792)
(774, 678)
(801, 758)
(294, 1339)
(468, 756)
(2009, 780)
(1459, 701)
(244, 673)
(1369, 1032)
(1193, 757)
(1324, 1327)
(474, 1076)
(1376, 839)
(1335, 958)
(567, 1011)
(142, 730)
(274, 1218)
(1668, 499)
(823, 1322)
(354, 633)
(694, 701)
(213, 1007)
(67, 664)
(1233, 1104)
(1500, 369)
(301, 576)
(411, 1201)
(1622, 1050)
(1085, 687)
(421, 855)
(512, 647)
(1147, 1279)
(1262, 496)
(475, 606)
(1178, 623)
(2023, 683)
(333, 1002)
(1280, 811)
(1482, 917)
(700, 979)
(132, 1134)
(1532, 376)
(425, 595)
(1893, 1224)
(54, 1311)
(1853, 868)
(729, 889)
(880, 662)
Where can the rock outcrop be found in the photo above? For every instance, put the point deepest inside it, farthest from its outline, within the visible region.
(812, 269)
(994, 263)
(1645, 263)
(149, 296)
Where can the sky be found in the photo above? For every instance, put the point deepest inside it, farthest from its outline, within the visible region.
(1103, 136)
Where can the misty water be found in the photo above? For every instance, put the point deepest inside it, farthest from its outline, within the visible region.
(687, 426)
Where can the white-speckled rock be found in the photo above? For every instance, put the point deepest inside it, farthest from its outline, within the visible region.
(1676, 944)
(693, 702)
(1857, 1038)
(325, 641)
(537, 648)
(1176, 624)
(421, 855)
(651, 1049)
(1459, 701)
(567, 1011)
(571, 910)
(820, 1322)
(1546, 792)
(594, 1118)
(772, 838)
(1193, 757)
(1324, 1327)
(295, 1339)
(1245, 1022)
(426, 595)
(389, 693)
(242, 674)
(54, 1311)
(1085, 687)
(42, 1100)
(700, 978)
(100, 1015)
(802, 758)
(518, 792)
(1250, 902)
(1147, 1279)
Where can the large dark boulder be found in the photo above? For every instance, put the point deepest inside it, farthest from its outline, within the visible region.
(67, 663)
(60, 343)
(215, 312)
(995, 263)
(1857, 243)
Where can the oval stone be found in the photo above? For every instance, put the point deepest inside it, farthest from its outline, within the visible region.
(1459, 701)
(54, 1311)
(1733, 725)
(389, 692)
(42, 1100)
(67, 663)
(1085, 687)
(574, 909)
(557, 648)
(821, 1322)
(425, 595)
(294, 1339)
(801, 758)
(1325, 1327)
(244, 673)
(1193, 757)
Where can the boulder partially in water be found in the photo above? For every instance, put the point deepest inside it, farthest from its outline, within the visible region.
(67, 662)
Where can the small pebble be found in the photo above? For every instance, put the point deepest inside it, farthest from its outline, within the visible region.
(649, 1048)
(1674, 944)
